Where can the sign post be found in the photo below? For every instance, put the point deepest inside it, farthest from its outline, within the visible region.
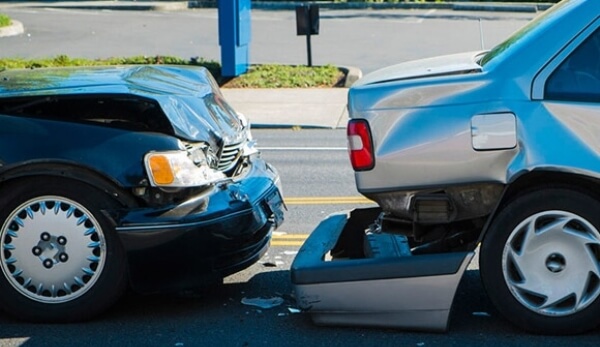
(307, 23)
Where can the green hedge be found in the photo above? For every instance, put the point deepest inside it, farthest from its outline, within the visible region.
(4, 20)
(259, 76)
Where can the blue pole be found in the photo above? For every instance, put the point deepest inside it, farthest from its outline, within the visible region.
(234, 36)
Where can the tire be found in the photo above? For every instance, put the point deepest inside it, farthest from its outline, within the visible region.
(61, 260)
(540, 259)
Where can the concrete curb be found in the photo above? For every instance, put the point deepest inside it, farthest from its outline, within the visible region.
(15, 28)
(353, 74)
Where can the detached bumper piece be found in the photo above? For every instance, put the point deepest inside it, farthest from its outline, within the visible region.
(345, 276)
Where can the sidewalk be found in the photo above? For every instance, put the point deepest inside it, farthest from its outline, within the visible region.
(283, 108)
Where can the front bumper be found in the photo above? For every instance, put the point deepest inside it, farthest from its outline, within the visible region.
(211, 236)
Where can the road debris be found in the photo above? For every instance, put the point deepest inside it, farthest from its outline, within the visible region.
(263, 303)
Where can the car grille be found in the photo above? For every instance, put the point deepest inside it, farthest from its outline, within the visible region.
(229, 156)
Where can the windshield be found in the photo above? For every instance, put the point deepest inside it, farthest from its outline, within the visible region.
(517, 36)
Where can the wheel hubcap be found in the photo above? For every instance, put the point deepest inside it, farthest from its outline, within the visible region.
(551, 263)
(555, 263)
(53, 249)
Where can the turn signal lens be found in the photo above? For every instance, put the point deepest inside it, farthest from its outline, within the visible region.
(160, 168)
(180, 169)
(360, 145)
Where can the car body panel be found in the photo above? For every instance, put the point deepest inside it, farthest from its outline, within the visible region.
(185, 94)
(48, 141)
(408, 140)
(422, 125)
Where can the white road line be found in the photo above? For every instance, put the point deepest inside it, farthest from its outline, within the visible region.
(303, 148)
(427, 14)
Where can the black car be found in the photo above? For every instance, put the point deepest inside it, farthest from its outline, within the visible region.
(130, 175)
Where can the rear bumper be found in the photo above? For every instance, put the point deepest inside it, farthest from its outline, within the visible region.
(208, 237)
(382, 284)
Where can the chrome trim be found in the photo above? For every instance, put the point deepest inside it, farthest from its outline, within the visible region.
(229, 155)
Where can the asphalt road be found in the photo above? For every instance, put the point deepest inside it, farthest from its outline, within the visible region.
(367, 39)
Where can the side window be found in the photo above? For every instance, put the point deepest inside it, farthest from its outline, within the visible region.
(577, 78)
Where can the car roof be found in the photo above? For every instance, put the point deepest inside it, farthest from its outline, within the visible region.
(146, 80)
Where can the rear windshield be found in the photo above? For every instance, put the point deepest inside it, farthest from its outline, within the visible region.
(521, 33)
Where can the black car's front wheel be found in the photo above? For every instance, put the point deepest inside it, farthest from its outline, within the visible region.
(61, 260)
(540, 261)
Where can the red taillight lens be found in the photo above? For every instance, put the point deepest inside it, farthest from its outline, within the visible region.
(360, 145)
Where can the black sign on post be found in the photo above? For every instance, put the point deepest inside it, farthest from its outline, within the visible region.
(307, 23)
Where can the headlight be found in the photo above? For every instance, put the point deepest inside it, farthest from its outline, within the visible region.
(246, 124)
(177, 169)
(250, 144)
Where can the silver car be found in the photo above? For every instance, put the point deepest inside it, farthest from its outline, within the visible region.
(499, 149)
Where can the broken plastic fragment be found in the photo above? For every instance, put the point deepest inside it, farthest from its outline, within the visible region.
(263, 303)
(293, 310)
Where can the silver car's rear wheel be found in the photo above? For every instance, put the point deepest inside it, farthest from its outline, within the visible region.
(550, 264)
(61, 260)
(54, 249)
(540, 261)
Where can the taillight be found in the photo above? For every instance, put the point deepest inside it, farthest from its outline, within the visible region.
(360, 145)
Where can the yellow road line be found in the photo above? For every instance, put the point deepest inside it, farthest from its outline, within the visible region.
(290, 236)
(329, 200)
(286, 243)
(295, 240)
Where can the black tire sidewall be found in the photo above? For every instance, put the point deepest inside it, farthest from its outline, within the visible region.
(109, 285)
(491, 252)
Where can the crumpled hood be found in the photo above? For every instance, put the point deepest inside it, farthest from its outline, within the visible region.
(438, 66)
(188, 95)
(191, 99)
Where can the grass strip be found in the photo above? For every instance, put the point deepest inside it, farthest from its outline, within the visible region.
(258, 76)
